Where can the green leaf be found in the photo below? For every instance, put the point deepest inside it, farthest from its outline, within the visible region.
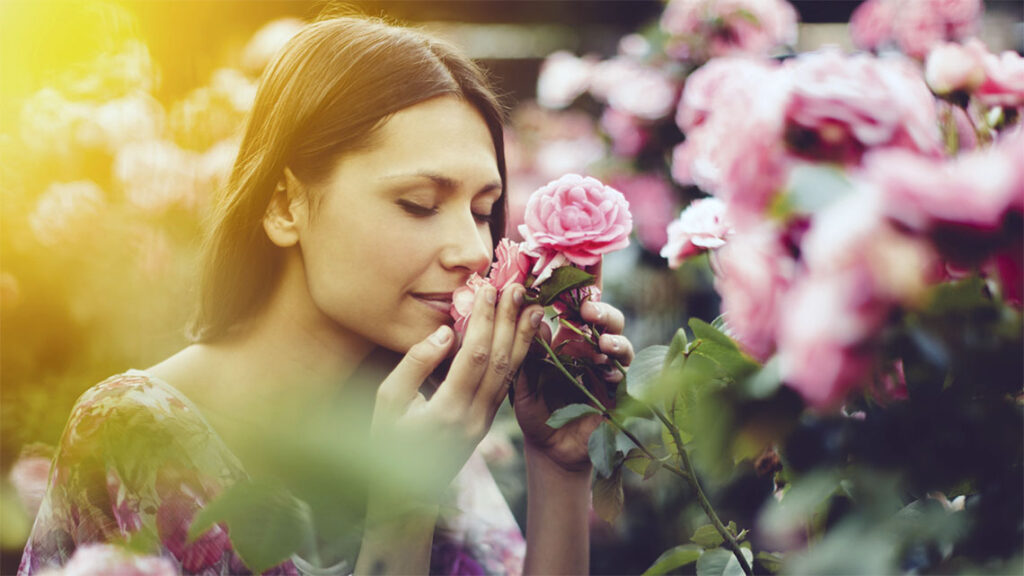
(770, 561)
(601, 447)
(608, 496)
(567, 414)
(765, 382)
(707, 536)
(652, 469)
(561, 280)
(800, 501)
(265, 523)
(723, 351)
(676, 348)
(722, 562)
(644, 375)
(637, 461)
(674, 558)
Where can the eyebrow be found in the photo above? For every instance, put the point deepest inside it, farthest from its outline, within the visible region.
(444, 182)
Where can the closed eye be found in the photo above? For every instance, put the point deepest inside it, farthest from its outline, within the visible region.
(417, 209)
(483, 218)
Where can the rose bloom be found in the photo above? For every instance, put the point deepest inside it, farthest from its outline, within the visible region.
(512, 265)
(752, 274)
(563, 77)
(576, 220)
(109, 560)
(646, 93)
(871, 24)
(701, 226)
(28, 476)
(652, 203)
(1004, 80)
(840, 106)
(714, 28)
(714, 80)
(628, 135)
(462, 301)
(955, 68)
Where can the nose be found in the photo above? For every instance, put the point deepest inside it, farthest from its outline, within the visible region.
(467, 244)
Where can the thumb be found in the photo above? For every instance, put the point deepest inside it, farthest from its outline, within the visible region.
(402, 385)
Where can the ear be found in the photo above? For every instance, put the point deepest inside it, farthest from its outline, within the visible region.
(286, 213)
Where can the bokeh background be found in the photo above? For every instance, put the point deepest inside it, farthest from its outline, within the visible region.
(119, 120)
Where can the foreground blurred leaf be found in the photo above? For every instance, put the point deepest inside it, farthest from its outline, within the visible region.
(601, 447)
(722, 562)
(265, 523)
(643, 381)
(567, 414)
(674, 558)
(608, 496)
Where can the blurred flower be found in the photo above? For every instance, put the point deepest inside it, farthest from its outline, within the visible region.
(1004, 80)
(10, 291)
(701, 29)
(117, 123)
(634, 88)
(563, 77)
(154, 252)
(239, 90)
(627, 134)
(206, 116)
(109, 560)
(126, 70)
(215, 165)
(955, 68)
(913, 26)
(574, 220)
(752, 274)
(157, 175)
(267, 42)
(634, 46)
(29, 476)
(843, 105)
(652, 202)
(560, 156)
(49, 121)
(701, 226)
(64, 210)
(718, 79)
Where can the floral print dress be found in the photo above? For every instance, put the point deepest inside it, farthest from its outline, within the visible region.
(137, 461)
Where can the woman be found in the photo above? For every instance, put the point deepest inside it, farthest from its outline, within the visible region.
(369, 186)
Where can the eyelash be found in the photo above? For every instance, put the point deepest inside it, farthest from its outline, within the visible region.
(422, 212)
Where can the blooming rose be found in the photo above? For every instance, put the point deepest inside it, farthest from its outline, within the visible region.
(574, 219)
(915, 26)
(752, 274)
(627, 134)
(1004, 80)
(716, 79)
(871, 24)
(700, 227)
(712, 28)
(462, 301)
(634, 88)
(952, 67)
(109, 560)
(841, 106)
(563, 77)
(29, 475)
(512, 265)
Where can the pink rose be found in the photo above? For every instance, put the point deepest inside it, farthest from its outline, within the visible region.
(462, 302)
(1004, 80)
(563, 78)
(512, 265)
(29, 476)
(109, 560)
(701, 226)
(717, 79)
(871, 24)
(634, 88)
(955, 68)
(652, 201)
(915, 26)
(576, 220)
(628, 136)
(701, 29)
(752, 274)
(843, 105)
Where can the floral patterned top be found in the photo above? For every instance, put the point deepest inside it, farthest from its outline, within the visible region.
(137, 460)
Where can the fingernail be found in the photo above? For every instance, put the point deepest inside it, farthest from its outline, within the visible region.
(616, 344)
(599, 314)
(490, 294)
(441, 336)
(517, 296)
(535, 318)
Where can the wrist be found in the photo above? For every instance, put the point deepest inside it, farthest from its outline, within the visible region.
(538, 462)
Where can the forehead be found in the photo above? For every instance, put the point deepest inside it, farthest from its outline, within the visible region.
(443, 135)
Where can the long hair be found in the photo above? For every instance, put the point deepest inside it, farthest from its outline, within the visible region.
(325, 94)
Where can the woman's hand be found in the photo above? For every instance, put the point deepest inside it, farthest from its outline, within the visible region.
(566, 447)
(449, 425)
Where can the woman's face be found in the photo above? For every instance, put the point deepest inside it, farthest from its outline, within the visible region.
(403, 224)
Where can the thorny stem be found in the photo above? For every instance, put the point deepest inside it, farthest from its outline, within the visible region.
(591, 341)
(604, 411)
(730, 542)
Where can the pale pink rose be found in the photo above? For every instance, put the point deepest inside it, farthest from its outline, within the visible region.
(574, 219)
(462, 302)
(646, 93)
(634, 46)
(563, 77)
(701, 226)
(29, 476)
(628, 136)
(512, 265)
(752, 274)
(109, 560)
(955, 68)
(841, 106)
(871, 24)
(701, 29)
(918, 27)
(1004, 80)
(714, 80)
(652, 203)
(822, 339)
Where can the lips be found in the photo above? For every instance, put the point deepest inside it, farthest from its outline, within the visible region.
(439, 301)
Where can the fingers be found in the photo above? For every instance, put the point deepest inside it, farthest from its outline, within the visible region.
(607, 317)
(474, 357)
(513, 334)
(402, 385)
(617, 347)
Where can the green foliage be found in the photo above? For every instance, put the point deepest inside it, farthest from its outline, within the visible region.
(602, 450)
(608, 496)
(266, 524)
(722, 562)
(561, 280)
(569, 413)
(674, 558)
(644, 380)
(707, 536)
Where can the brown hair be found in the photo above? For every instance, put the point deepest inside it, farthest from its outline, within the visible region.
(324, 94)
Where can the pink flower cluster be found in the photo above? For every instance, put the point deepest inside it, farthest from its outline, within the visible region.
(571, 221)
(971, 69)
(913, 26)
(108, 560)
(702, 29)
